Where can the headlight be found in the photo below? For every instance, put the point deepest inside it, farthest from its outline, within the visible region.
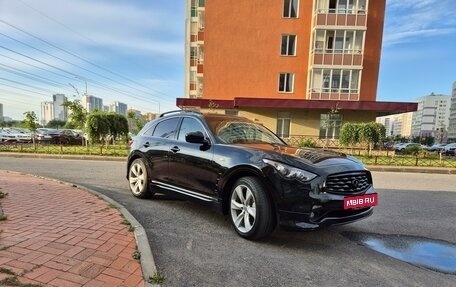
(290, 172)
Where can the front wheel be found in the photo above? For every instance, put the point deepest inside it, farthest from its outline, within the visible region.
(138, 179)
(251, 210)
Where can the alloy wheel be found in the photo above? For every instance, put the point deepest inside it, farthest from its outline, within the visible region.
(137, 177)
(243, 208)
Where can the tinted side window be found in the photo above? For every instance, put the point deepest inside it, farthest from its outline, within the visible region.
(190, 125)
(166, 129)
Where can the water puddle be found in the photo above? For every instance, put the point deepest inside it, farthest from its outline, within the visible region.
(428, 253)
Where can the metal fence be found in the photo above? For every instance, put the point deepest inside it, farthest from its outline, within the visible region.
(46, 148)
(376, 157)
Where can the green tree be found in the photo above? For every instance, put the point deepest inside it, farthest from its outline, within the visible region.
(77, 115)
(135, 122)
(31, 122)
(371, 134)
(118, 125)
(381, 130)
(428, 140)
(400, 138)
(97, 127)
(349, 134)
(56, 124)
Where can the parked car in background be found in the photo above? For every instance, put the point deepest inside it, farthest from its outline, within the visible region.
(436, 147)
(450, 149)
(68, 137)
(247, 172)
(401, 147)
(5, 136)
(397, 145)
(44, 135)
(16, 135)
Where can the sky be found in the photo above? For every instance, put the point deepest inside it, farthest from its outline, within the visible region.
(133, 52)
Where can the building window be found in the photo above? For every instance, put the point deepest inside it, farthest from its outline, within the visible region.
(232, 112)
(288, 47)
(286, 82)
(341, 6)
(283, 125)
(330, 125)
(335, 81)
(192, 77)
(339, 41)
(194, 8)
(290, 8)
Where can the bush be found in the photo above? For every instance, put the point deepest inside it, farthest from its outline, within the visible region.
(307, 143)
(413, 149)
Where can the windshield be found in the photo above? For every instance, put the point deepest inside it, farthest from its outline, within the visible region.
(232, 131)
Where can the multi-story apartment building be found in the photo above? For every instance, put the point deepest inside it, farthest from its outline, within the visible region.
(47, 112)
(54, 110)
(91, 103)
(399, 124)
(432, 116)
(287, 63)
(452, 118)
(118, 108)
(60, 112)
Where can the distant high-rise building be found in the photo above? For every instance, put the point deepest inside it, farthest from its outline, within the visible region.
(91, 103)
(432, 116)
(1, 112)
(400, 124)
(118, 108)
(452, 118)
(151, 116)
(60, 112)
(47, 112)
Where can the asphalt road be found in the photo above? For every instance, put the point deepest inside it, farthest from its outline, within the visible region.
(195, 246)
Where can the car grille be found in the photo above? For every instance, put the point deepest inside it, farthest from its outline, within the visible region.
(348, 183)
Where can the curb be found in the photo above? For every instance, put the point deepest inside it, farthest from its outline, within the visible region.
(411, 169)
(63, 156)
(147, 261)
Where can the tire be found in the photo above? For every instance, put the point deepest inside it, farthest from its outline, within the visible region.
(138, 179)
(251, 210)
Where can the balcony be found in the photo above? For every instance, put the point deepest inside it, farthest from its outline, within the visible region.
(200, 69)
(335, 58)
(337, 95)
(325, 18)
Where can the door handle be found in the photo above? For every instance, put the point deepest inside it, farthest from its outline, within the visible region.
(175, 149)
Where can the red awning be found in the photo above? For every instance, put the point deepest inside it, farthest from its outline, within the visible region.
(380, 107)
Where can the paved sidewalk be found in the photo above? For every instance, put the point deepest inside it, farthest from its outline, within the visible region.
(59, 235)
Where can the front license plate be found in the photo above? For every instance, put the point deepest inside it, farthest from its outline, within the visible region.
(360, 201)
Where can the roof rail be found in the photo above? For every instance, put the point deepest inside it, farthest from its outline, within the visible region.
(180, 111)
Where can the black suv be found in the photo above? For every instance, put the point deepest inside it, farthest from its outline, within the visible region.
(243, 169)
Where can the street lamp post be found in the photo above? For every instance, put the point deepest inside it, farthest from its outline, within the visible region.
(85, 81)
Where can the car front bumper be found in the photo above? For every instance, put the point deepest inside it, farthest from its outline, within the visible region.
(309, 206)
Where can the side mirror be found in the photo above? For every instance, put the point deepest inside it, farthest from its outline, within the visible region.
(196, 137)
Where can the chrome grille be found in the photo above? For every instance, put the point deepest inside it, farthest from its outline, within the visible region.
(348, 183)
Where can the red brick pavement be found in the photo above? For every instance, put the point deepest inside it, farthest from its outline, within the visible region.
(58, 235)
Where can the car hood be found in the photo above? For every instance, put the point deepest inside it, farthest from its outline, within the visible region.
(307, 156)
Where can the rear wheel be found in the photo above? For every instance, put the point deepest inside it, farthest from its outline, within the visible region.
(251, 209)
(138, 179)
